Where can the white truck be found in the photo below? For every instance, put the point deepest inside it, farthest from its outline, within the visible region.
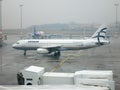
(30, 75)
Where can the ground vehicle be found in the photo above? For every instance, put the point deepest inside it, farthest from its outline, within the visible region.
(34, 75)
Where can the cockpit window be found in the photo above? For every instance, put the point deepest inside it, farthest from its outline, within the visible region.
(17, 43)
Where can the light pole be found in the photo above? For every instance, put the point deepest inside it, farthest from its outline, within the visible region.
(21, 5)
(116, 5)
(0, 14)
(0, 22)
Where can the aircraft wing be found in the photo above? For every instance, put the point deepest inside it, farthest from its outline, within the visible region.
(48, 49)
(52, 48)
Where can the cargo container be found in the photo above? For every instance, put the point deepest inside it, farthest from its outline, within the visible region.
(84, 79)
(95, 78)
(55, 78)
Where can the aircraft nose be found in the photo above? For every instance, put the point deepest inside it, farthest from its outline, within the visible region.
(14, 46)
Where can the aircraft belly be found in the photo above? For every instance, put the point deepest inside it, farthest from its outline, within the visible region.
(78, 47)
(71, 47)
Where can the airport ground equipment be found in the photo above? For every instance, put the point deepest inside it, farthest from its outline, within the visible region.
(57, 78)
(95, 78)
(35, 75)
(30, 75)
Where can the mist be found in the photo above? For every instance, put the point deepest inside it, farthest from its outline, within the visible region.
(37, 12)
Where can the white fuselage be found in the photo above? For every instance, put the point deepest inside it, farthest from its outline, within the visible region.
(64, 44)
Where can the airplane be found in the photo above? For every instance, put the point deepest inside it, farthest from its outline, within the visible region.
(55, 46)
(37, 35)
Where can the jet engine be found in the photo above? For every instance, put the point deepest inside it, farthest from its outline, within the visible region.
(42, 51)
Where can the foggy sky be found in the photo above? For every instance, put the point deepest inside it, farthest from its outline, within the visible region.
(37, 12)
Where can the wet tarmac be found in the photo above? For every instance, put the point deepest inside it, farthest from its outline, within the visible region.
(101, 58)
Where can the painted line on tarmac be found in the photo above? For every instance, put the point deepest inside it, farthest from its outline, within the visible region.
(63, 61)
(59, 64)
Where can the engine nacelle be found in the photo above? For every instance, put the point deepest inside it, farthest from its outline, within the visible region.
(42, 51)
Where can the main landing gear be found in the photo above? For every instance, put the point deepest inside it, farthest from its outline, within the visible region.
(24, 52)
(57, 54)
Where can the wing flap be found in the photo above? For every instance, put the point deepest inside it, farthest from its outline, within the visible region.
(51, 48)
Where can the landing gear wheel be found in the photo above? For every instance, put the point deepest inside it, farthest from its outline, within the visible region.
(57, 54)
(24, 52)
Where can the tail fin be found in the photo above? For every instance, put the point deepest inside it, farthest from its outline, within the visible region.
(35, 34)
(101, 32)
(34, 30)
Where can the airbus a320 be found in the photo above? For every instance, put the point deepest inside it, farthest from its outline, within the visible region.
(47, 46)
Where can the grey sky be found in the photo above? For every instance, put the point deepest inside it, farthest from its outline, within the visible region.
(57, 11)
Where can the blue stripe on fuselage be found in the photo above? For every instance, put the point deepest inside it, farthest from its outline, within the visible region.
(26, 48)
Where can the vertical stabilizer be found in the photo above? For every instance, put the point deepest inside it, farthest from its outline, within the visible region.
(101, 32)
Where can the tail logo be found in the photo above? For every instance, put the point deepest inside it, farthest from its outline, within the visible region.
(101, 33)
